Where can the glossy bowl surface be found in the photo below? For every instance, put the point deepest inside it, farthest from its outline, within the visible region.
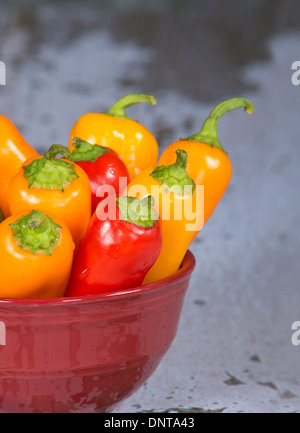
(86, 354)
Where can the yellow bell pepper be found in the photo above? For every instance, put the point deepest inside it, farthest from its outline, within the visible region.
(135, 144)
(179, 204)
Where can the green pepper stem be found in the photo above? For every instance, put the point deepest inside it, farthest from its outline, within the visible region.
(136, 211)
(181, 158)
(50, 172)
(174, 177)
(37, 233)
(118, 109)
(77, 142)
(55, 150)
(84, 151)
(209, 131)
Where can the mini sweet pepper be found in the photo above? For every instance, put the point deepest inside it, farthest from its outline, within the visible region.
(104, 168)
(53, 185)
(122, 242)
(208, 164)
(179, 205)
(133, 142)
(36, 251)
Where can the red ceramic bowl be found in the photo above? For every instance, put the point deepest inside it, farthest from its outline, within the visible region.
(86, 354)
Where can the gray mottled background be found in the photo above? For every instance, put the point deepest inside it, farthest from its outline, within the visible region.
(233, 351)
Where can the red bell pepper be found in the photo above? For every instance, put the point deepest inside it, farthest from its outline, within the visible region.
(121, 244)
(104, 168)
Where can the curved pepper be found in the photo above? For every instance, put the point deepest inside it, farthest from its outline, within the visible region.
(14, 150)
(36, 251)
(178, 204)
(121, 244)
(53, 185)
(208, 164)
(135, 144)
(103, 166)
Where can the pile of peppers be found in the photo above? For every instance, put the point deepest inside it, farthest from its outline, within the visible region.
(105, 212)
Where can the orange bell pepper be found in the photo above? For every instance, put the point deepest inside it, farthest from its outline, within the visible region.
(208, 164)
(14, 150)
(135, 144)
(36, 253)
(53, 185)
(179, 205)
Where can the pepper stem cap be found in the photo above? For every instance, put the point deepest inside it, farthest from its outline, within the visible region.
(84, 151)
(174, 177)
(49, 172)
(36, 233)
(136, 211)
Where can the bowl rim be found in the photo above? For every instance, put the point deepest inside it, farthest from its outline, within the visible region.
(188, 265)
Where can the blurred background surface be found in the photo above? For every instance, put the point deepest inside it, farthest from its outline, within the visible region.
(233, 351)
